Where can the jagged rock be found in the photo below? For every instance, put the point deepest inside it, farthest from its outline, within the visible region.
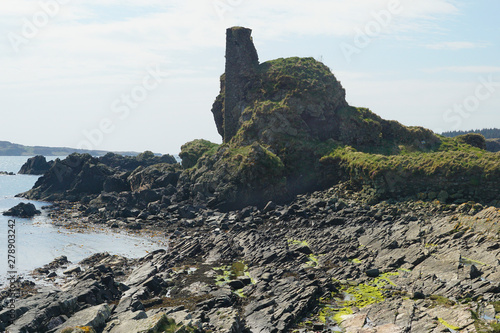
(130, 163)
(158, 175)
(474, 272)
(94, 317)
(37, 165)
(72, 178)
(22, 210)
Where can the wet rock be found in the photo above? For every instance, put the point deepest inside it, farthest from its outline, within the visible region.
(24, 210)
(373, 273)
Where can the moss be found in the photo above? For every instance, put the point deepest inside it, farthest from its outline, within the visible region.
(232, 272)
(349, 296)
(297, 242)
(313, 260)
(496, 305)
(167, 325)
(407, 174)
(239, 293)
(364, 295)
(441, 300)
(192, 151)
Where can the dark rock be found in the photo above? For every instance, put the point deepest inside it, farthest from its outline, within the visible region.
(37, 165)
(474, 272)
(22, 209)
(235, 284)
(71, 179)
(241, 67)
(73, 270)
(130, 163)
(373, 273)
(418, 295)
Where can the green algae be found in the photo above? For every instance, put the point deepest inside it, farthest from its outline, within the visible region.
(338, 305)
(468, 261)
(297, 242)
(232, 272)
(239, 293)
(445, 324)
(313, 260)
(383, 279)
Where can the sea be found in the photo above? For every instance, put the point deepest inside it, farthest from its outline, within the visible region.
(38, 241)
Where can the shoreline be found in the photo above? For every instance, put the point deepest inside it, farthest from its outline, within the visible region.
(274, 269)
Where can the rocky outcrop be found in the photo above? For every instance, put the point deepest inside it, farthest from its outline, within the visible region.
(6, 173)
(37, 165)
(295, 110)
(130, 163)
(71, 179)
(22, 210)
(83, 177)
(242, 64)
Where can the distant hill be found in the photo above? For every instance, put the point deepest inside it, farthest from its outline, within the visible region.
(488, 133)
(12, 149)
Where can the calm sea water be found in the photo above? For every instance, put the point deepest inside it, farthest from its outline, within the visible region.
(38, 241)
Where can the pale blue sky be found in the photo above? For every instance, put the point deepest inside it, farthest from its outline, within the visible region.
(431, 63)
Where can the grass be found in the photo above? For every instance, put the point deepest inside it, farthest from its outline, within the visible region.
(192, 151)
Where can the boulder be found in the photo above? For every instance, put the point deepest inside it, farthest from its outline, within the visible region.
(94, 317)
(22, 210)
(37, 165)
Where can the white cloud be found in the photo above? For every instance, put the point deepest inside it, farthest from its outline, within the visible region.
(96, 48)
(456, 45)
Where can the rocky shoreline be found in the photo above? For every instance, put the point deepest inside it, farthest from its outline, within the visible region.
(310, 217)
(322, 262)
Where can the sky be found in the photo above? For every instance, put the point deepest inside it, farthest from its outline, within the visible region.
(136, 75)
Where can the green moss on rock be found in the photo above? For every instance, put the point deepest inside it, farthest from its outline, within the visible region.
(192, 151)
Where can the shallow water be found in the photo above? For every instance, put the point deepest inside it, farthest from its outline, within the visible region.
(38, 241)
